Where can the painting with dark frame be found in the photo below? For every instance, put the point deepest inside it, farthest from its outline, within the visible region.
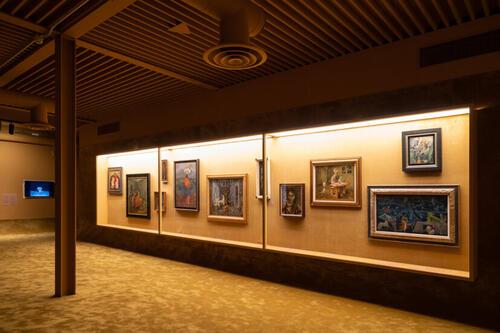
(187, 185)
(259, 186)
(164, 171)
(163, 201)
(292, 200)
(336, 182)
(138, 195)
(227, 198)
(422, 150)
(115, 180)
(424, 214)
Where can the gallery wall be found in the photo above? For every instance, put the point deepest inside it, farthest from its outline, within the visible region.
(23, 158)
(385, 68)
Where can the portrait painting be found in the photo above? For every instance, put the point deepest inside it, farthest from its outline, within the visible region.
(259, 186)
(186, 186)
(138, 199)
(426, 214)
(227, 198)
(164, 171)
(336, 182)
(292, 201)
(163, 201)
(422, 150)
(115, 180)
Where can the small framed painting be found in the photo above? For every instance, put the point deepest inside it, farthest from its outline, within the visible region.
(422, 150)
(227, 198)
(292, 200)
(138, 200)
(336, 182)
(163, 201)
(259, 181)
(115, 180)
(187, 185)
(424, 214)
(164, 171)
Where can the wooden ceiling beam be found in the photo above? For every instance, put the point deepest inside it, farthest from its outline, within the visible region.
(441, 13)
(4, 17)
(99, 15)
(142, 64)
(455, 12)
(427, 15)
(470, 10)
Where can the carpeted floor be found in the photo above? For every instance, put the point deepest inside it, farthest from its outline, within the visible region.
(120, 291)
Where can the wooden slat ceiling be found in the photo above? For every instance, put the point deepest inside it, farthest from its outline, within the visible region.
(297, 33)
(103, 83)
(12, 39)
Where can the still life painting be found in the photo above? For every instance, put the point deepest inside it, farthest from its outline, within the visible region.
(336, 182)
(227, 198)
(115, 180)
(186, 186)
(414, 213)
(138, 195)
(292, 200)
(422, 150)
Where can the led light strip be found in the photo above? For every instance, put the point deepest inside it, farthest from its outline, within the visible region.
(374, 122)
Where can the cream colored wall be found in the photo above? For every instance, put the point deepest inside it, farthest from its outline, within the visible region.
(390, 67)
(228, 158)
(21, 158)
(343, 231)
(111, 209)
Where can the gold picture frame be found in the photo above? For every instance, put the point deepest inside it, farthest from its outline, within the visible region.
(336, 182)
(227, 198)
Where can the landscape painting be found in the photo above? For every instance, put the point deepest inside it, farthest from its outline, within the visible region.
(422, 150)
(186, 186)
(138, 199)
(227, 198)
(336, 182)
(426, 214)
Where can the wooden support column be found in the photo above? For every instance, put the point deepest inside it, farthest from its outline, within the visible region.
(65, 281)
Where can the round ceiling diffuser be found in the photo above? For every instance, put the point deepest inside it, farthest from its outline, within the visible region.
(235, 56)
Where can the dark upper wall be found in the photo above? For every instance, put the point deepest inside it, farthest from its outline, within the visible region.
(385, 68)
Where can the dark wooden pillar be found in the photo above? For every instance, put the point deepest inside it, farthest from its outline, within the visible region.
(65, 281)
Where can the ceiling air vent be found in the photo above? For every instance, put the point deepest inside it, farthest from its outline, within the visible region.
(459, 49)
(108, 128)
(238, 21)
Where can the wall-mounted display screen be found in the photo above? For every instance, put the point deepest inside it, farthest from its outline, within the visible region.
(35, 189)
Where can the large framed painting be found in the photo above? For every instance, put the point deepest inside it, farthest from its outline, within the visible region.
(292, 200)
(336, 182)
(164, 171)
(425, 214)
(227, 198)
(422, 150)
(187, 185)
(115, 180)
(138, 200)
(259, 181)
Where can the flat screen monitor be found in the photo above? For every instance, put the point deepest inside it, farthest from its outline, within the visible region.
(38, 189)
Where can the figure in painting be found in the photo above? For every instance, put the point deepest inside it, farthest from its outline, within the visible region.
(291, 206)
(187, 188)
(114, 182)
(421, 150)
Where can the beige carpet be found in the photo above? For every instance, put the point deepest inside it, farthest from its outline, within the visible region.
(120, 291)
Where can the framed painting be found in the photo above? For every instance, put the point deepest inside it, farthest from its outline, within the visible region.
(425, 214)
(115, 180)
(259, 180)
(164, 171)
(227, 198)
(163, 201)
(187, 185)
(422, 150)
(292, 200)
(138, 195)
(336, 182)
